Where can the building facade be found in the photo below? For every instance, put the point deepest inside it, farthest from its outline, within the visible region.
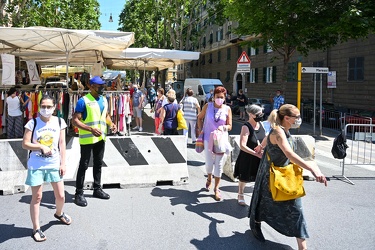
(352, 61)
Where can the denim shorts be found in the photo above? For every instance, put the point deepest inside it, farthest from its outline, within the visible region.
(39, 176)
(137, 112)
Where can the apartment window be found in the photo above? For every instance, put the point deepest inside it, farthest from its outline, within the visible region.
(227, 78)
(253, 76)
(219, 35)
(211, 38)
(356, 68)
(204, 42)
(229, 30)
(267, 48)
(210, 59)
(269, 74)
(219, 56)
(228, 54)
(239, 51)
(252, 51)
(218, 75)
(292, 71)
(203, 61)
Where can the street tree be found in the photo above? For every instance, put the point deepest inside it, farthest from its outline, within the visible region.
(166, 24)
(70, 14)
(300, 25)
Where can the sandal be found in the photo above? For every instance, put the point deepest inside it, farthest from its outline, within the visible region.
(38, 235)
(217, 195)
(208, 184)
(64, 218)
(242, 201)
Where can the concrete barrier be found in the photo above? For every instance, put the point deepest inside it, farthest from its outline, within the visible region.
(128, 161)
(304, 147)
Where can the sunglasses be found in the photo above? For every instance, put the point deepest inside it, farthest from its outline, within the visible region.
(296, 116)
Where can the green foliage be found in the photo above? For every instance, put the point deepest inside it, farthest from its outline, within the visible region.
(163, 23)
(70, 14)
(301, 24)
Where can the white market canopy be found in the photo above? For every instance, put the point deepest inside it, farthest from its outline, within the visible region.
(59, 46)
(148, 58)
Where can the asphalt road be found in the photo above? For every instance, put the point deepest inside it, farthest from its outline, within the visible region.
(340, 216)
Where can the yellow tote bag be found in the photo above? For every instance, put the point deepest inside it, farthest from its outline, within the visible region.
(286, 183)
(181, 121)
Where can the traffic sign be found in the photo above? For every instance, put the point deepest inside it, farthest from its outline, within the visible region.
(243, 63)
(244, 58)
(315, 70)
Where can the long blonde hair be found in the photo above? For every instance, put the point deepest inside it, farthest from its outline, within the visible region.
(277, 116)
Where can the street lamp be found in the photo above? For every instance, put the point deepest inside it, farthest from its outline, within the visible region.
(110, 18)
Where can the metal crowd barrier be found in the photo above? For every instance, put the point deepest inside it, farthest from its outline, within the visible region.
(330, 119)
(360, 139)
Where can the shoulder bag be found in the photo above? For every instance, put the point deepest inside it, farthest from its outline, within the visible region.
(286, 183)
(181, 122)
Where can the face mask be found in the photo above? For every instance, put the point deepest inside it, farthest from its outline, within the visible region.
(258, 118)
(46, 112)
(100, 90)
(135, 89)
(297, 123)
(219, 101)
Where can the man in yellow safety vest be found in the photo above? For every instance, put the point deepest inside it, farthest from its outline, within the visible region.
(91, 117)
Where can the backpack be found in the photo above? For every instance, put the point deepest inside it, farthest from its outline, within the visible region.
(339, 147)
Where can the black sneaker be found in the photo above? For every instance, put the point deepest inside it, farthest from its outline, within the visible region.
(80, 200)
(99, 193)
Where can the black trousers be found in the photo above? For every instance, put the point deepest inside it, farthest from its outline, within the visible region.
(97, 150)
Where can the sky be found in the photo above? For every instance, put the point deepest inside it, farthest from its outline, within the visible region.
(106, 8)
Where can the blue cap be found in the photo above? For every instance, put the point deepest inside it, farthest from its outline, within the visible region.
(96, 80)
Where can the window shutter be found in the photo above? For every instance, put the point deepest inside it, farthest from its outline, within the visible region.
(274, 74)
(256, 51)
(256, 75)
(265, 49)
(265, 74)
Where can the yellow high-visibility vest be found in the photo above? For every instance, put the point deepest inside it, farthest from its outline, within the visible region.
(94, 119)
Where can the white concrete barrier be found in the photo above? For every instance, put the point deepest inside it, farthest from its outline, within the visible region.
(128, 161)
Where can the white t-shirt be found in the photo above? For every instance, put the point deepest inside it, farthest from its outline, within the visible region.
(13, 105)
(47, 134)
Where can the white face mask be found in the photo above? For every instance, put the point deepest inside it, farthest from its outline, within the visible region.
(297, 123)
(46, 112)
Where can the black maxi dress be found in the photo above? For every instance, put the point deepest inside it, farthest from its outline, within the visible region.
(246, 166)
(286, 217)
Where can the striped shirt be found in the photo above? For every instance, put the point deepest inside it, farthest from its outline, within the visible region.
(190, 108)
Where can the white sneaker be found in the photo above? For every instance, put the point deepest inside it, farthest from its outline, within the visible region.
(140, 129)
(136, 127)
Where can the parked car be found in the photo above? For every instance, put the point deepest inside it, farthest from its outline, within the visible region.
(330, 114)
(362, 117)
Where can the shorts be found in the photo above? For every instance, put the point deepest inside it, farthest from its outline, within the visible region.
(242, 108)
(137, 112)
(39, 176)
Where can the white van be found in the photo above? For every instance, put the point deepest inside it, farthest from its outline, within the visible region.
(201, 87)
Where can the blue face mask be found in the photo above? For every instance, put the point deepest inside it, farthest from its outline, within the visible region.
(135, 89)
